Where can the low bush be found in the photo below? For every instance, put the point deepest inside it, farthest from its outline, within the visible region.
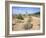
(28, 26)
(19, 17)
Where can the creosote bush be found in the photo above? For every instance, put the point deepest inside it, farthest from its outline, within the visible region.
(19, 17)
(28, 26)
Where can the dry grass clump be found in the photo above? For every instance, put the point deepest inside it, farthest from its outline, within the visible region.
(28, 26)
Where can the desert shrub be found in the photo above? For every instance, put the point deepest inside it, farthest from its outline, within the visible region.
(28, 26)
(23, 14)
(29, 14)
(19, 17)
(29, 20)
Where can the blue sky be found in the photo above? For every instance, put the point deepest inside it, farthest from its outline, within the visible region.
(23, 10)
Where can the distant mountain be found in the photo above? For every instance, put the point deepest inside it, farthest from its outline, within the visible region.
(37, 13)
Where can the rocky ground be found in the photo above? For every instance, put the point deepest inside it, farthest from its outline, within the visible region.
(29, 23)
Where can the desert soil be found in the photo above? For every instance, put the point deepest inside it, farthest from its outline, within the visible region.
(19, 25)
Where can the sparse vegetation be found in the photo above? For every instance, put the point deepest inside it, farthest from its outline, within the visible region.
(20, 20)
(29, 14)
(37, 14)
(19, 17)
